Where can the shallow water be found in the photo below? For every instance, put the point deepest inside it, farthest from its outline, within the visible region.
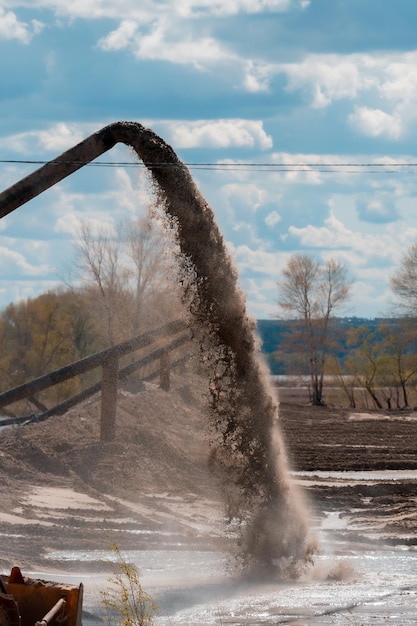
(354, 581)
(362, 475)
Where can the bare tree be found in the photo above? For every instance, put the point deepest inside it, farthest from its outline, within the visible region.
(398, 347)
(127, 275)
(312, 292)
(149, 252)
(404, 283)
(99, 266)
(364, 364)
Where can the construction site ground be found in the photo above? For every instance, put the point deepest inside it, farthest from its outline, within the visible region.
(61, 489)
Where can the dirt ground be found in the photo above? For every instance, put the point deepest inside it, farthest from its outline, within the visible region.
(62, 489)
(331, 440)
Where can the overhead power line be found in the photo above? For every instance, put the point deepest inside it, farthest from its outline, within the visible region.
(348, 168)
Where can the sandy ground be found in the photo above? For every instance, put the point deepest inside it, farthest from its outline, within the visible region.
(62, 489)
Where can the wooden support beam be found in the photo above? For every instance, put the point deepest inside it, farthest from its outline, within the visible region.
(88, 363)
(110, 379)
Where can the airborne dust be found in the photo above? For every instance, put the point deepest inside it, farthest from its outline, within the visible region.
(249, 449)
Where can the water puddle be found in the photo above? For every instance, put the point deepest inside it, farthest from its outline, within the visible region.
(348, 479)
(356, 579)
(350, 583)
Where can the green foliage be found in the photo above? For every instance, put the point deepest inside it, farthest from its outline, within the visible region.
(125, 601)
(351, 619)
(383, 362)
(35, 337)
(43, 334)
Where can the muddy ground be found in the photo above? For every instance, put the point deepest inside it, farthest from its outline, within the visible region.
(63, 489)
(331, 439)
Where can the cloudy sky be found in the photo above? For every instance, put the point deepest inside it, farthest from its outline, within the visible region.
(307, 110)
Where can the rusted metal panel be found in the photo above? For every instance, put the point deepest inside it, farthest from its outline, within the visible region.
(36, 598)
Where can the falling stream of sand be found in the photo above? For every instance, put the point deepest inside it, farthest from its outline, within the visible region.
(244, 414)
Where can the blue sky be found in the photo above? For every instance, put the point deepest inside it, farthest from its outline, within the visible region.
(312, 84)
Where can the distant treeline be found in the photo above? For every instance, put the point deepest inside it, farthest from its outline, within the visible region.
(275, 345)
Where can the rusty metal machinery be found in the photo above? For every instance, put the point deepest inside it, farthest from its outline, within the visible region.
(32, 602)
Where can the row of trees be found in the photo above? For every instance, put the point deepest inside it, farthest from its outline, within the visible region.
(380, 370)
(381, 361)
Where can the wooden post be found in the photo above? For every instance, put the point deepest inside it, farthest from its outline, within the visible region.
(164, 372)
(109, 398)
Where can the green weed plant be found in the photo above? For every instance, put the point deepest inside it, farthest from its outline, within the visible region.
(125, 601)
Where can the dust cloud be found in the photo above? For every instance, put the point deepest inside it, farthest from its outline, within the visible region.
(272, 520)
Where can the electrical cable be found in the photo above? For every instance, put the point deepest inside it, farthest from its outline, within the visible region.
(358, 168)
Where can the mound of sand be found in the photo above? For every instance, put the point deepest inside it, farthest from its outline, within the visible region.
(61, 488)
(161, 444)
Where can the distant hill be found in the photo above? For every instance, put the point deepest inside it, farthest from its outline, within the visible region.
(272, 331)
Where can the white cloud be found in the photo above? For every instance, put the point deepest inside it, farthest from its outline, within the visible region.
(261, 296)
(387, 80)
(12, 28)
(70, 223)
(326, 77)
(98, 9)
(56, 138)
(399, 82)
(129, 196)
(174, 31)
(257, 76)
(298, 168)
(233, 7)
(334, 234)
(222, 133)
(244, 196)
(376, 123)
(99, 210)
(121, 37)
(260, 291)
(272, 219)
(354, 246)
(14, 262)
(378, 207)
(267, 263)
(162, 38)
(16, 290)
